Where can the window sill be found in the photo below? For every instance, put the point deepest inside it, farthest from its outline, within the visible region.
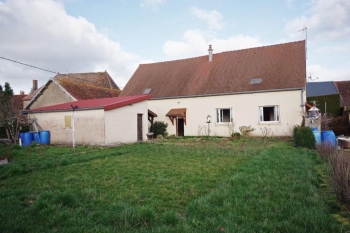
(269, 123)
(223, 123)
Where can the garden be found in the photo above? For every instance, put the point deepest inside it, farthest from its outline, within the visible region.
(191, 184)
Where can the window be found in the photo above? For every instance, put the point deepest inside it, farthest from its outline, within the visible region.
(68, 121)
(223, 115)
(269, 113)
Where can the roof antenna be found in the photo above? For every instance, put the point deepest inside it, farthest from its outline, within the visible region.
(310, 78)
(304, 29)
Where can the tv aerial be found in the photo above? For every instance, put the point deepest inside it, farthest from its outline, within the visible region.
(311, 79)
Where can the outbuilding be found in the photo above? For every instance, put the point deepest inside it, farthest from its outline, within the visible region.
(104, 121)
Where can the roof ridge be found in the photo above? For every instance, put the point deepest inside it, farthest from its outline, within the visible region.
(89, 85)
(100, 72)
(229, 51)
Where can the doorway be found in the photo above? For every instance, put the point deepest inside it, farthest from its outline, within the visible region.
(180, 127)
(139, 127)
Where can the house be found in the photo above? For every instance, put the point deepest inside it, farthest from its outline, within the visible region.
(261, 87)
(326, 96)
(95, 121)
(72, 87)
(17, 103)
(343, 88)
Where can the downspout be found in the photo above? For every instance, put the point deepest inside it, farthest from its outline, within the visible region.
(302, 105)
(302, 99)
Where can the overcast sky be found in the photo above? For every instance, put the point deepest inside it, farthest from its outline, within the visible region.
(71, 36)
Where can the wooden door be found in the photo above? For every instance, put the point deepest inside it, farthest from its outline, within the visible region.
(139, 127)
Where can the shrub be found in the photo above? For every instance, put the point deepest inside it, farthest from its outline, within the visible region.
(304, 137)
(160, 128)
(339, 170)
(235, 135)
(340, 125)
(246, 129)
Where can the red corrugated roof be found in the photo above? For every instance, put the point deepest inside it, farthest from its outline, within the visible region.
(105, 103)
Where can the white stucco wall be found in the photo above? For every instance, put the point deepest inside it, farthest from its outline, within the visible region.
(89, 126)
(121, 123)
(245, 112)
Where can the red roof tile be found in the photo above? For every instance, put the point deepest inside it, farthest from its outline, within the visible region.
(344, 91)
(81, 91)
(31, 95)
(97, 79)
(105, 103)
(281, 66)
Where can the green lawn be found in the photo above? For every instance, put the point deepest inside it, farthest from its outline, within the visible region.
(178, 185)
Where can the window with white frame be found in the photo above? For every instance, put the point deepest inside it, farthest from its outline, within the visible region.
(269, 113)
(223, 115)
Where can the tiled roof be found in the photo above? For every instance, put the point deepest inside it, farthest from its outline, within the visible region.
(281, 66)
(17, 103)
(105, 103)
(98, 79)
(81, 91)
(344, 91)
(94, 85)
(320, 89)
(31, 95)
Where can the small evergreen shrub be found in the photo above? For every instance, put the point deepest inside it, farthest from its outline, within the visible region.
(160, 128)
(304, 137)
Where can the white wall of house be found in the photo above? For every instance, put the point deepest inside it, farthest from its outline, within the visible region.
(89, 126)
(245, 109)
(121, 123)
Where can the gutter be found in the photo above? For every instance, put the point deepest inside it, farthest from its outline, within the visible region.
(60, 110)
(232, 93)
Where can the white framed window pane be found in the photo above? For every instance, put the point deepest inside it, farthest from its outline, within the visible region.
(224, 115)
(269, 113)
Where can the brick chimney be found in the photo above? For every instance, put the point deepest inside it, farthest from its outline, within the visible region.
(210, 53)
(35, 84)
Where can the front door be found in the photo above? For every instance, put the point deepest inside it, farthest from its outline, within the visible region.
(139, 127)
(180, 127)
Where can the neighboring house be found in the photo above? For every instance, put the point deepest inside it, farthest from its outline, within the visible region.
(343, 88)
(263, 87)
(326, 96)
(72, 87)
(96, 121)
(17, 103)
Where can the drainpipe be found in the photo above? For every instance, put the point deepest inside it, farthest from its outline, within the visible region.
(302, 99)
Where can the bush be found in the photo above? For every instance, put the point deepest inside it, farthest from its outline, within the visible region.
(304, 137)
(340, 170)
(340, 125)
(160, 128)
(246, 129)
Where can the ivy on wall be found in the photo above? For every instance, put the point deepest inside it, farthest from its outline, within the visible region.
(332, 103)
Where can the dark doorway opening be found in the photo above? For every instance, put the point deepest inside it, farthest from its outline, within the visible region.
(139, 127)
(180, 127)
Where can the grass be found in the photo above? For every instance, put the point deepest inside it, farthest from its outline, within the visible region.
(179, 185)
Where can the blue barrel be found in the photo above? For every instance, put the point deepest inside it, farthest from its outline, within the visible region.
(44, 137)
(317, 135)
(27, 138)
(36, 137)
(328, 136)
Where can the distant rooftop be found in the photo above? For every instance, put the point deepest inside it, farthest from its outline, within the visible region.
(320, 89)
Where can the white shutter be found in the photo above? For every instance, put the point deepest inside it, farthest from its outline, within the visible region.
(217, 115)
(277, 114)
(261, 111)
